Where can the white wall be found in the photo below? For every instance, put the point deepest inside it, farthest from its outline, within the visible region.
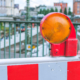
(6, 18)
(7, 8)
(33, 13)
(49, 7)
(10, 5)
(16, 12)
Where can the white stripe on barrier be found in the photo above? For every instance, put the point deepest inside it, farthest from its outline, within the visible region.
(53, 71)
(3, 72)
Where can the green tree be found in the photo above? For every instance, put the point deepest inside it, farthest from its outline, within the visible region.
(44, 12)
(2, 27)
(69, 11)
(65, 11)
(60, 10)
(52, 10)
(40, 12)
(47, 11)
(56, 10)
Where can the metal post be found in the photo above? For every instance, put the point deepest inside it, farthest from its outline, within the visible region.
(29, 33)
(27, 10)
(11, 7)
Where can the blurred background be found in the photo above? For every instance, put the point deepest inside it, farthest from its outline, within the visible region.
(20, 25)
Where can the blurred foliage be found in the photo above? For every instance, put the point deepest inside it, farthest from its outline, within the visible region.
(60, 10)
(45, 11)
(56, 10)
(69, 11)
(65, 11)
(2, 26)
(52, 10)
(6, 28)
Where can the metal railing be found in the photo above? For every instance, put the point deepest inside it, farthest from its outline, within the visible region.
(21, 39)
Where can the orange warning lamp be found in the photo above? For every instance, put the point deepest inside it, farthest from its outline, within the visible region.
(58, 30)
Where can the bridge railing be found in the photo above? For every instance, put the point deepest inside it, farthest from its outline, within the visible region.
(21, 39)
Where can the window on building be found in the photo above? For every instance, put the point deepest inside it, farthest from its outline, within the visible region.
(78, 7)
(11, 2)
(77, 11)
(78, 4)
(4, 2)
(0, 2)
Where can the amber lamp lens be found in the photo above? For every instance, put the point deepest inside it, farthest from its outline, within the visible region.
(56, 28)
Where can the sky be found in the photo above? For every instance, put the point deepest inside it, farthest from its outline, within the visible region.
(34, 3)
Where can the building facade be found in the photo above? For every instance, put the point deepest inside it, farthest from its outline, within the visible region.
(16, 10)
(32, 11)
(62, 5)
(77, 19)
(58, 8)
(6, 7)
(76, 7)
(41, 7)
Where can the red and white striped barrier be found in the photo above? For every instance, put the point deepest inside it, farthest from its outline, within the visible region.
(52, 70)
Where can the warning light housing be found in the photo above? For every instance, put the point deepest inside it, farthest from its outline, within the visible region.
(58, 30)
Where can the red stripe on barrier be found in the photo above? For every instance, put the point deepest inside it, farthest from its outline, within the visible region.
(73, 70)
(23, 72)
